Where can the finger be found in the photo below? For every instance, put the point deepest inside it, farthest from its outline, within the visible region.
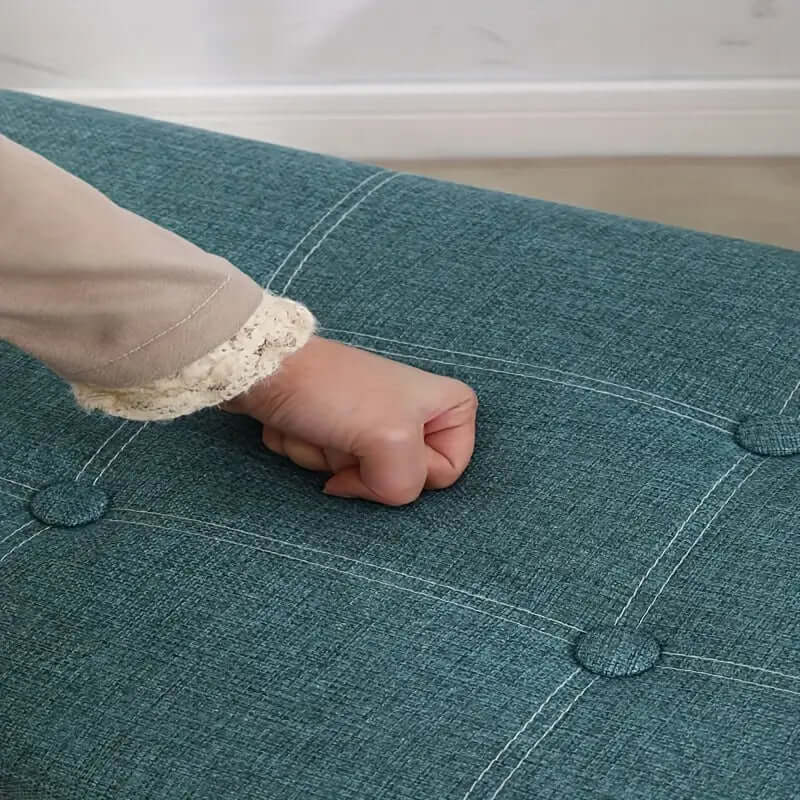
(448, 454)
(305, 455)
(441, 472)
(347, 483)
(335, 459)
(392, 469)
(339, 460)
(450, 441)
(273, 440)
(393, 465)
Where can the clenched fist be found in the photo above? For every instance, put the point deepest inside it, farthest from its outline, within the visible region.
(385, 430)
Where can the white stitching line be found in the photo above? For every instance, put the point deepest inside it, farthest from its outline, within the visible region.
(16, 547)
(732, 663)
(119, 452)
(699, 537)
(789, 398)
(520, 732)
(164, 332)
(344, 572)
(21, 527)
(334, 227)
(547, 380)
(357, 561)
(17, 483)
(727, 678)
(15, 496)
(99, 449)
(320, 221)
(533, 366)
(675, 536)
(542, 737)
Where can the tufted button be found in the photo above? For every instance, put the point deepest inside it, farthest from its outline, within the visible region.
(617, 652)
(69, 504)
(770, 435)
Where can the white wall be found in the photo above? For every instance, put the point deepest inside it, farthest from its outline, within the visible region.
(202, 59)
(144, 43)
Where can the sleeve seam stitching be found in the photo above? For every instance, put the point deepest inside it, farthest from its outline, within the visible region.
(152, 339)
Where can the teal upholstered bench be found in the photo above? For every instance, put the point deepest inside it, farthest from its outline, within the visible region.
(607, 605)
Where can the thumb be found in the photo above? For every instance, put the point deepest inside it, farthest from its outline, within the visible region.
(347, 483)
(392, 469)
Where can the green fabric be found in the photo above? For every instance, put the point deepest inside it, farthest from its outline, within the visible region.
(616, 651)
(769, 435)
(226, 631)
(68, 504)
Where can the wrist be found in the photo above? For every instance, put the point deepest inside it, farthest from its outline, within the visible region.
(265, 395)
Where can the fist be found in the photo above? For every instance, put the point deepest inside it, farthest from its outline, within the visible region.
(385, 430)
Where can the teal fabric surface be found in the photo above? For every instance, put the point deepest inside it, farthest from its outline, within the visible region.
(223, 630)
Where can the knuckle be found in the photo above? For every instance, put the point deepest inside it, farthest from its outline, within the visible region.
(396, 436)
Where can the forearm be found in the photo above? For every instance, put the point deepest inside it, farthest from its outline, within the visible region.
(142, 323)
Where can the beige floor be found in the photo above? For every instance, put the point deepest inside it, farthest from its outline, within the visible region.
(751, 198)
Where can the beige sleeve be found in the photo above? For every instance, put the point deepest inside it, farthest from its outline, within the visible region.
(142, 323)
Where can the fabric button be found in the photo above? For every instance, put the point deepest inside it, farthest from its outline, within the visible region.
(770, 435)
(69, 504)
(617, 652)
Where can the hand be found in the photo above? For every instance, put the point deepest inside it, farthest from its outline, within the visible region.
(385, 430)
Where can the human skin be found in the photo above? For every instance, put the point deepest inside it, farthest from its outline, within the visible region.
(386, 431)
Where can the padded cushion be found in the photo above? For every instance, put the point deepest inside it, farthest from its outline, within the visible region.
(223, 630)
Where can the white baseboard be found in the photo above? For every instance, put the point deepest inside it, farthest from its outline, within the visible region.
(487, 120)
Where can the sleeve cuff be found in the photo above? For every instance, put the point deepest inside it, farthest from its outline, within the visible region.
(277, 328)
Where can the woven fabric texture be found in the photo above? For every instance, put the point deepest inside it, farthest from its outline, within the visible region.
(225, 631)
(68, 504)
(616, 651)
(770, 435)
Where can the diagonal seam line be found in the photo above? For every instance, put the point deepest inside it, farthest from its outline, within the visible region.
(100, 449)
(15, 496)
(675, 536)
(158, 336)
(119, 452)
(732, 663)
(543, 737)
(346, 573)
(17, 483)
(728, 678)
(370, 564)
(520, 732)
(334, 227)
(790, 397)
(547, 380)
(320, 221)
(24, 541)
(699, 537)
(533, 366)
(21, 528)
